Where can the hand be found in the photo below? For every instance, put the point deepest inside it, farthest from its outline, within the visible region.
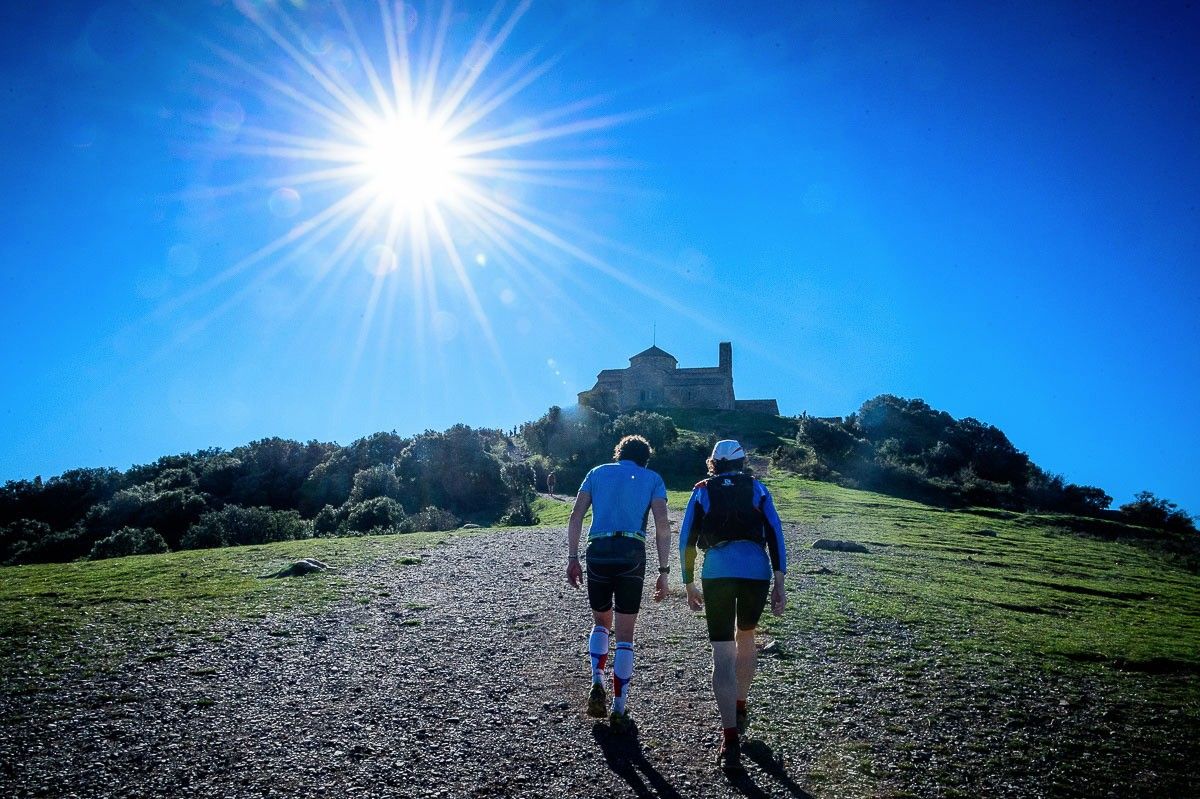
(778, 598)
(660, 588)
(574, 573)
(695, 599)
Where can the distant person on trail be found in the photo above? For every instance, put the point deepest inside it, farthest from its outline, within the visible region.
(622, 495)
(550, 481)
(732, 517)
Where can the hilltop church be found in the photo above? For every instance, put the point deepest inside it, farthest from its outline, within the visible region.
(653, 379)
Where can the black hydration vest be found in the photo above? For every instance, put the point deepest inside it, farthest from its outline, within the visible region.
(731, 515)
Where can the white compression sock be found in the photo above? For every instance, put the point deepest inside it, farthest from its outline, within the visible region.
(622, 674)
(598, 650)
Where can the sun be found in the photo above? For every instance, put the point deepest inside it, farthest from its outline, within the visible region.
(409, 163)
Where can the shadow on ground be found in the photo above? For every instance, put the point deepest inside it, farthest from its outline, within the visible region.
(624, 755)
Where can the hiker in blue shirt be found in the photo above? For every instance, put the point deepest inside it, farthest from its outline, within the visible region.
(622, 495)
(732, 517)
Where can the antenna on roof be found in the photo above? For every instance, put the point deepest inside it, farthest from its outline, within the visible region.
(654, 335)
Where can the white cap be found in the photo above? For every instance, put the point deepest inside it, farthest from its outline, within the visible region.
(728, 450)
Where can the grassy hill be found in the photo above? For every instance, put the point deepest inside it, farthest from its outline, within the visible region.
(964, 613)
(990, 581)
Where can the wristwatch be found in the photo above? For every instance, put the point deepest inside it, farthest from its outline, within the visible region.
(664, 569)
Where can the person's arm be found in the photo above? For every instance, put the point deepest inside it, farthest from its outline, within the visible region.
(583, 501)
(687, 549)
(662, 538)
(776, 551)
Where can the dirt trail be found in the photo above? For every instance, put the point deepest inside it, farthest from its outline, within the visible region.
(468, 679)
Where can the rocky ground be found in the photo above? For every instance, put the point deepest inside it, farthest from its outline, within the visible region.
(465, 675)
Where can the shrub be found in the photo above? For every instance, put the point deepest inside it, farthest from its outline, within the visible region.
(831, 441)
(659, 430)
(454, 470)
(1151, 511)
(375, 515)
(129, 541)
(430, 519)
(237, 526)
(329, 520)
(519, 514)
(18, 537)
(799, 460)
(376, 481)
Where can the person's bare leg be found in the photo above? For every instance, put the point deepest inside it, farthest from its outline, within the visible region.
(747, 662)
(622, 659)
(724, 681)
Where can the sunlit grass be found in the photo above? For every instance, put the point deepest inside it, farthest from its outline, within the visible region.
(48, 611)
(1033, 587)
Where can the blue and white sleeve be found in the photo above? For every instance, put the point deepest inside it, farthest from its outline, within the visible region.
(775, 545)
(687, 537)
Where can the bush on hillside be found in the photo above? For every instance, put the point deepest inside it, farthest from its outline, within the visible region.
(1151, 511)
(376, 481)
(170, 512)
(374, 516)
(432, 519)
(659, 430)
(129, 541)
(237, 526)
(455, 470)
(21, 537)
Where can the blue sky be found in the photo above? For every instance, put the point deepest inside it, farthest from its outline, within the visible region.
(992, 208)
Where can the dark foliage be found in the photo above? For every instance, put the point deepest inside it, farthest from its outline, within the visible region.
(237, 526)
(456, 469)
(376, 515)
(268, 490)
(570, 442)
(129, 541)
(905, 447)
(1151, 511)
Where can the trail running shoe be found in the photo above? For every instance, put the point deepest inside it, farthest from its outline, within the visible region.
(597, 701)
(620, 722)
(729, 758)
(743, 721)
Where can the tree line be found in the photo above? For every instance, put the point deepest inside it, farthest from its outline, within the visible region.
(269, 490)
(277, 489)
(905, 447)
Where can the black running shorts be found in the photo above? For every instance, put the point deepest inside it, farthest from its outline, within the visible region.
(616, 570)
(727, 599)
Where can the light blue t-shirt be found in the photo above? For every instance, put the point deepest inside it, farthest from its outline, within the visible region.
(621, 494)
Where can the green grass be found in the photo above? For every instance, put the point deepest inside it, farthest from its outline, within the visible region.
(1035, 587)
(46, 611)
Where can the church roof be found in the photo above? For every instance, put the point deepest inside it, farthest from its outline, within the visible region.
(654, 352)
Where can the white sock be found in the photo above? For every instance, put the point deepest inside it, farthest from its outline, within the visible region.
(622, 674)
(598, 650)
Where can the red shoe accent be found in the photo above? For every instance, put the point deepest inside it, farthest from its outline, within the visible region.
(603, 660)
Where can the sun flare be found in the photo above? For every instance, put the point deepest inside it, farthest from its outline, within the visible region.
(393, 140)
(409, 164)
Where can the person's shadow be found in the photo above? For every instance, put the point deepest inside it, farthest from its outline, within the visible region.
(765, 759)
(624, 755)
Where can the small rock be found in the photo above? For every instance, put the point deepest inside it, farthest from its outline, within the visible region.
(834, 545)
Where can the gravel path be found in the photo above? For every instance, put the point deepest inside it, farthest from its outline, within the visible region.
(465, 675)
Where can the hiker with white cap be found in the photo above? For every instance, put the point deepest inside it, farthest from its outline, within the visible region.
(732, 518)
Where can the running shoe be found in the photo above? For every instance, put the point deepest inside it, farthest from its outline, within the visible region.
(729, 758)
(597, 701)
(743, 721)
(620, 722)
